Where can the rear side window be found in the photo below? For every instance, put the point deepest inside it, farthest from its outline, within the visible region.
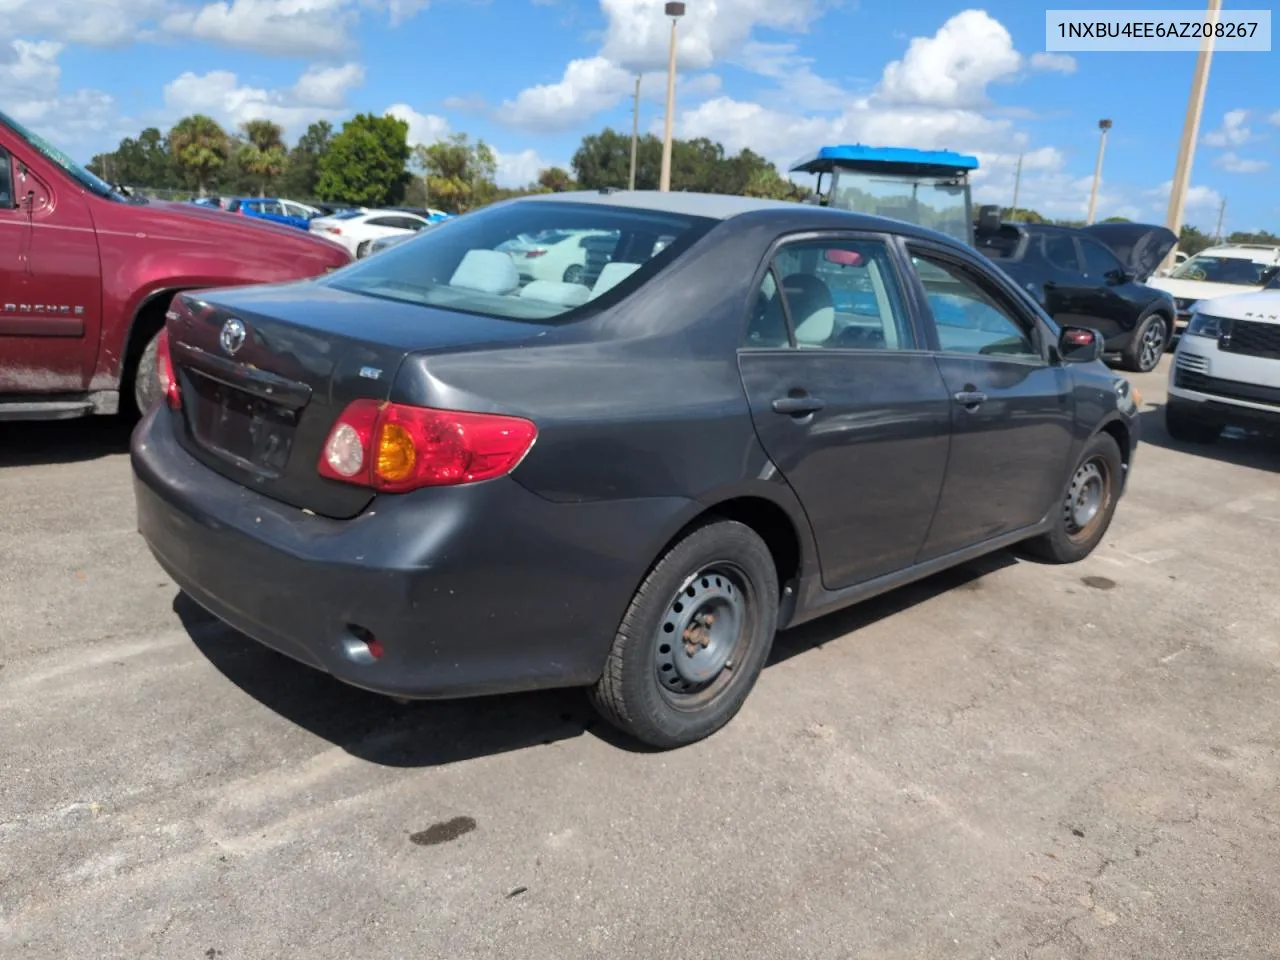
(527, 260)
(837, 294)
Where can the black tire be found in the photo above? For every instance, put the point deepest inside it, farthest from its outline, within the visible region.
(146, 381)
(574, 273)
(1148, 345)
(643, 690)
(1184, 426)
(1068, 541)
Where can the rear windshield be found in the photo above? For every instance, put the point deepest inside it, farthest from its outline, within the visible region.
(526, 260)
(1222, 270)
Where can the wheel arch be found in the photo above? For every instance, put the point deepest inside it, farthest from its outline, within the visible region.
(145, 323)
(1121, 433)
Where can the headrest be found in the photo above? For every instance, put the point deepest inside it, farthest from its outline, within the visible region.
(553, 291)
(611, 275)
(812, 307)
(488, 271)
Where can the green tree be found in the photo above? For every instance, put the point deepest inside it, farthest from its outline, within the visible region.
(303, 171)
(1117, 220)
(144, 162)
(365, 162)
(1024, 215)
(1191, 240)
(199, 148)
(262, 154)
(556, 180)
(604, 160)
(1262, 236)
(459, 174)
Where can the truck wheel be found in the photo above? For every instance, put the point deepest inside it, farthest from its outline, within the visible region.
(1186, 427)
(1089, 502)
(694, 639)
(146, 382)
(1148, 345)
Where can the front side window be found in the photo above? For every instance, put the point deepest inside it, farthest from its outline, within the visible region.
(6, 181)
(1060, 250)
(969, 318)
(496, 261)
(838, 294)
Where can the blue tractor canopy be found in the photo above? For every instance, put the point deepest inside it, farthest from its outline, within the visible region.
(926, 187)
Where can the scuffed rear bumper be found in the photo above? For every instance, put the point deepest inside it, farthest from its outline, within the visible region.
(480, 589)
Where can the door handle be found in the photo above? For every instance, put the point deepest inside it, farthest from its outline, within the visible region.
(970, 398)
(798, 406)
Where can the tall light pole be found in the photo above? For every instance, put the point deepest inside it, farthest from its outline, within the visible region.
(1190, 130)
(1104, 126)
(635, 131)
(675, 11)
(1017, 182)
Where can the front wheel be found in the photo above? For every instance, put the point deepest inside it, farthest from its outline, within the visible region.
(694, 639)
(1148, 346)
(1087, 506)
(146, 381)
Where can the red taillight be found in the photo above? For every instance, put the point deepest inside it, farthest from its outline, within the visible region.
(164, 371)
(334, 230)
(394, 447)
(534, 254)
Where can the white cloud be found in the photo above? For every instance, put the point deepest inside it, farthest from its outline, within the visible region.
(1232, 133)
(97, 23)
(638, 36)
(424, 128)
(954, 66)
(306, 27)
(1201, 197)
(318, 95)
(1234, 163)
(29, 92)
(1054, 62)
(518, 169)
(797, 83)
(588, 87)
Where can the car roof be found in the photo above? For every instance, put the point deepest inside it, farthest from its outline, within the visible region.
(718, 206)
(1258, 253)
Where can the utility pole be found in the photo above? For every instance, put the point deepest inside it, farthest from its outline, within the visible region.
(675, 11)
(1104, 126)
(635, 131)
(1017, 182)
(1190, 129)
(1222, 209)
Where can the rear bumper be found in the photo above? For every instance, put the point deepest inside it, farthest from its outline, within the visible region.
(471, 590)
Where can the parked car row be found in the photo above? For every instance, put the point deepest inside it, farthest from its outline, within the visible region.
(302, 215)
(358, 229)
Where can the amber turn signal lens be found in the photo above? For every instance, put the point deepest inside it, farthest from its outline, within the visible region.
(397, 455)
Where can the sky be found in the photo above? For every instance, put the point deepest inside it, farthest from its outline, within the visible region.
(783, 77)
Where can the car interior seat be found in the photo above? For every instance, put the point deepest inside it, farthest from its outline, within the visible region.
(813, 310)
(486, 271)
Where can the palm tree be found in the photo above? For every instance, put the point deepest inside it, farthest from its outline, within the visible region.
(263, 154)
(199, 147)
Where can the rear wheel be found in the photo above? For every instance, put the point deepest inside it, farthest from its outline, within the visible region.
(574, 273)
(1087, 506)
(362, 250)
(1183, 425)
(1148, 346)
(694, 640)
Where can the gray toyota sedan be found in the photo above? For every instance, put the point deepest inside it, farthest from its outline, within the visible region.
(709, 419)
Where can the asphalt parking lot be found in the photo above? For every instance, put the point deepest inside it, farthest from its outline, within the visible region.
(1009, 760)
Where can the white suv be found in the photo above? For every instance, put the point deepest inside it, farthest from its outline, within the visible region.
(1226, 371)
(1218, 272)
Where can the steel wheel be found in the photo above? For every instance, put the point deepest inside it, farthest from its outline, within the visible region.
(1088, 496)
(574, 273)
(1154, 340)
(703, 628)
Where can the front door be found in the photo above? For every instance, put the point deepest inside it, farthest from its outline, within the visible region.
(1012, 411)
(50, 288)
(1116, 299)
(845, 402)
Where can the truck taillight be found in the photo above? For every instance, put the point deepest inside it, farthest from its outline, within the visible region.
(164, 371)
(394, 447)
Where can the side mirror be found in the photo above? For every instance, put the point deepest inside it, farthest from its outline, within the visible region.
(1080, 345)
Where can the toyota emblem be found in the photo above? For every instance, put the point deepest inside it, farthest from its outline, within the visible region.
(233, 335)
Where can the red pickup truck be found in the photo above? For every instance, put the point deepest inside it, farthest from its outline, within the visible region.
(87, 273)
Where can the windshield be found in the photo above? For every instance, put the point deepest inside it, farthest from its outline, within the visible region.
(526, 260)
(941, 205)
(86, 179)
(1210, 269)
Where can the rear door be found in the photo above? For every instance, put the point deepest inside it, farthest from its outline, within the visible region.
(1011, 410)
(846, 402)
(1116, 300)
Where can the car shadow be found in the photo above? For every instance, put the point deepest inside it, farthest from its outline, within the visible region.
(1241, 448)
(30, 443)
(430, 733)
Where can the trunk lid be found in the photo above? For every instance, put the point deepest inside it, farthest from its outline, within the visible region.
(265, 372)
